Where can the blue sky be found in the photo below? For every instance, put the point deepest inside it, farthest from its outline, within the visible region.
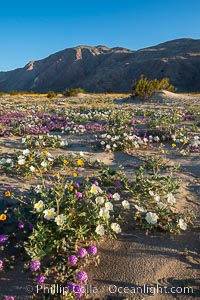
(32, 30)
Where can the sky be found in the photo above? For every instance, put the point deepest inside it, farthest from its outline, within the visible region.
(32, 30)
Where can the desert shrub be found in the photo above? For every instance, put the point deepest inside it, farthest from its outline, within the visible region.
(51, 94)
(14, 93)
(73, 92)
(145, 88)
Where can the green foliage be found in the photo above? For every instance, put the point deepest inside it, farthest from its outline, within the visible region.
(145, 88)
(73, 92)
(51, 94)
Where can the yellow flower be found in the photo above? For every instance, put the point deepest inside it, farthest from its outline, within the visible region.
(71, 187)
(3, 217)
(7, 193)
(57, 176)
(45, 152)
(87, 179)
(80, 162)
(65, 161)
(70, 214)
(74, 174)
(27, 165)
(30, 158)
(92, 174)
(173, 145)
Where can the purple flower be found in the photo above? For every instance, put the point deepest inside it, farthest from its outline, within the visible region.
(109, 196)
(71, 286)
(21, 225)
(117, 183)
(82, 276)
(40, 279)
(35, 265)
(10, 188)
(82, 252)
(73, 259)
(92, 250)
(96, 183)
(31, 226)
(1, 264)
(77, 185)
(3, 238)
(9, 298)
(79, 291)
(79, 195)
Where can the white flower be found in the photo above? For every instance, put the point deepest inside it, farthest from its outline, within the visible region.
(100, 230)
(39, 206)
(37, 143)
(81, 153)
(104, 213)
(108, 147)
(23, 140)
(95, 189)
(62, 143)
(49, 213)
(182, 224)
(38, 189)
(171, 199)
(32, 168)
(99, 200)
(40, 137)
(139, 208)
(108, 206)
(116, 227)
(3, 161)
(44, 164)
(156, 196)
(161, 204)
(102, 143)
(151, 218)
(116, 196)
(125, 204)
(26, 152)
(60, 219)
(21, 161)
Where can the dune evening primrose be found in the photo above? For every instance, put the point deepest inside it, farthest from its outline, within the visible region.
(125, 204)
(108, 206)
(100, 230)
(49, 213)
(39, 206)
(104, 213)
(182, 224)
(116, 196)
(60, 219)
(171, 199)
(151, 218)
(99, 200)
(95, 189)
(116, 227)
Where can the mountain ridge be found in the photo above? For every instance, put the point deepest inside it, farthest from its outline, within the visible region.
(103, 69)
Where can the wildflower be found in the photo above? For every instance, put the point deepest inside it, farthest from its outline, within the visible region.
(95, 189)
(72, 260)
(30, 158)
(21, 225)
(1, 264)
(9, 298)
(100, 230)
(151, 218)
(21, 161)
(26, 152)
(44, 164)
(71, 286)
(71, 187)
(116, 227)
(108, 206)
(104, 213)
(87, 179)
(65, 161)
(117, 183)
(99, 200)
(116, 196)
(49, 213)
(59, 219)
(80, 162)
(79, 195)
(92, 250)
(3, 238)
(35, 265)
(171, 199)
(32, 168)
(39, 206)
(7, 193)
(182, 224)
(40, 279)
(82, 276)
(173, 145)
(82, 252)
(3, 217)
(78, 291)
(125, 204)
(74, 174)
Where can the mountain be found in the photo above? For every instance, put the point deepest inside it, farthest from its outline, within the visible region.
(103, 69)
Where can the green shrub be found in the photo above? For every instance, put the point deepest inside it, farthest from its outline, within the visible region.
(145, 88)
(14, 93)
(73, 92)
(51, 94)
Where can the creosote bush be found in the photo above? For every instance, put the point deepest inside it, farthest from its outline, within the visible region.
(145, 88)
(73, 92)
(51, 94)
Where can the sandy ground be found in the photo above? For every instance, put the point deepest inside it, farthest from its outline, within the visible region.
(133, 261)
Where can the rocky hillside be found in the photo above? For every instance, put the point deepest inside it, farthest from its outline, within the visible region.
(103, 69)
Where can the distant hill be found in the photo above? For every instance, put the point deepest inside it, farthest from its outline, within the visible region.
(103, 69)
